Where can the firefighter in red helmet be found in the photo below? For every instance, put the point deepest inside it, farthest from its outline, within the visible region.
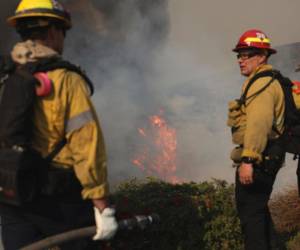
(254, 39)
(256, 120)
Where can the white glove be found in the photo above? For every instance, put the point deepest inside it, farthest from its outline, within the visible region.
(106, 224)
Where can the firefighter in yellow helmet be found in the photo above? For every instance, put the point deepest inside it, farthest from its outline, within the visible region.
(67, 115)
(256, 120)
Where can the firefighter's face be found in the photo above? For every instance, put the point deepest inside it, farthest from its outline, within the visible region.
(249, 61)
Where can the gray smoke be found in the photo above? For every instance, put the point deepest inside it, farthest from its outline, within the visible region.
(7, 35)
(148, 55)
(118, 44)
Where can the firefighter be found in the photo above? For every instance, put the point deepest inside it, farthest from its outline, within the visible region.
(66, 112)
(256, 121)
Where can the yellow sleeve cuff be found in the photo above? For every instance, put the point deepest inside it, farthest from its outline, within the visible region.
(97, 192)
(252, 154)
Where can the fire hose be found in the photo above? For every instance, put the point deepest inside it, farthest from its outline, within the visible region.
(138, 221)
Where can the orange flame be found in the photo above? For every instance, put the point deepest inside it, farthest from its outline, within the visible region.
(158, 155)
(142, 132)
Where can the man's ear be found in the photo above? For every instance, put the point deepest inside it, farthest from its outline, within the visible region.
(262, 58)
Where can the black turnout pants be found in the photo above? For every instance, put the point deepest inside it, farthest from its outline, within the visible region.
(252, 206)
(46, 217)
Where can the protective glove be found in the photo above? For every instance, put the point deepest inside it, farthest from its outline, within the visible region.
(236, 154)
(234, 105)
(106, 224)
(233, 118)
(234, 113)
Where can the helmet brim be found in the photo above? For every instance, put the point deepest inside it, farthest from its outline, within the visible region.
(12, 21)
(241, 48)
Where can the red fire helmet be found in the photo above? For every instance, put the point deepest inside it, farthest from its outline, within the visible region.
(254, 39)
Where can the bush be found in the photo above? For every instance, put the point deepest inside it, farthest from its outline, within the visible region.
(285, 208)
(193, 216)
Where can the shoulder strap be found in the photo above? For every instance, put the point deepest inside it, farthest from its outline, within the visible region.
(7, 65)
(58, 147)
(271, 73)
(53, 63)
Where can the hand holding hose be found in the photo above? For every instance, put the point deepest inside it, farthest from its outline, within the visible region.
(140, 221)
(106, 224)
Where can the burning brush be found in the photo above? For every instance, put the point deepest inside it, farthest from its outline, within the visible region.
(158, 154)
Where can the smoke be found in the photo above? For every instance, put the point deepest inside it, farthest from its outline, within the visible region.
(148, 55)
(7, 36)
(119, 48)
(145, 56)
(137, 73)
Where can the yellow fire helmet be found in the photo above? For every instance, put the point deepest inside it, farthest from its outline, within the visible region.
(51, 9)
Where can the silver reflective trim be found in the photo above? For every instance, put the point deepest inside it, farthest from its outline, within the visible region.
(78, 121)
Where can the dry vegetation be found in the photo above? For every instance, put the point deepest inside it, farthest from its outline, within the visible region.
(285, 208)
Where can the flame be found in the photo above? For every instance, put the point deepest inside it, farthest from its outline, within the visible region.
(158, 155)
(142, 132)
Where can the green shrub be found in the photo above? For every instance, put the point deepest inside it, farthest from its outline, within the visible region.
(193, 216)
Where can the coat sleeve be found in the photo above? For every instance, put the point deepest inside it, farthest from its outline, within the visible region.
(85, 139)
